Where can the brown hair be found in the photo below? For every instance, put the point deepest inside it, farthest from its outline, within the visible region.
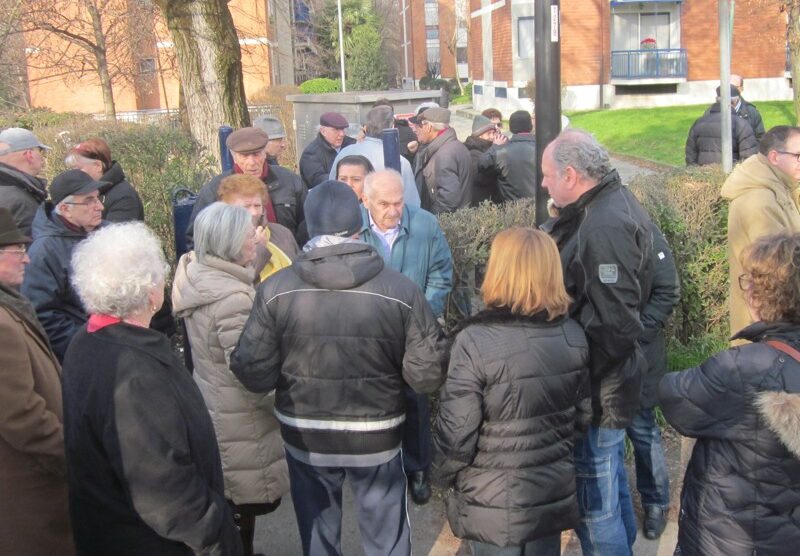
(524, 274)
(241, 185)
(492, 113)
(773, 265)
(94, 149)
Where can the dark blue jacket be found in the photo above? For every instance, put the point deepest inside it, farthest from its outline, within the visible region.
(420, 252)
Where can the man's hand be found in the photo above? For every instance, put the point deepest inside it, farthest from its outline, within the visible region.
(500, 139)
(413, 146)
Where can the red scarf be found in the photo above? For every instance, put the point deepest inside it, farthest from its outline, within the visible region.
(98, 322)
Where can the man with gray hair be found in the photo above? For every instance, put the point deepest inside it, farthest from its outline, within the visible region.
(21, 160)
(410, 241)
(378, 119)
(746, 110)
(74, 210)
(605, 241)
(273, 127)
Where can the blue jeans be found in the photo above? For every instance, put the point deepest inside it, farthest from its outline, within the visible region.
(546, 546)
(608, 525)
(652, 479)
(416, 432)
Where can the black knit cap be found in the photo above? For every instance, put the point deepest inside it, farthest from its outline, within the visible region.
(332, 209)
(520, 122)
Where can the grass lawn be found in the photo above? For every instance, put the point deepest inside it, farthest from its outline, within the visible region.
(659, 134)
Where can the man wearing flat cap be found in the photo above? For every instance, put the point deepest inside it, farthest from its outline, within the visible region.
(74, 210)
(317, 158)
(273, 127)
(443, 168)
(21, 160)
(339, 375)
(285, 191)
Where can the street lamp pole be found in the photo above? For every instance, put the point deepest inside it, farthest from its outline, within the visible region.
(405, 41)
(341, 43)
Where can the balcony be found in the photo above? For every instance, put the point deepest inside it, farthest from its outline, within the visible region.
(649, 66)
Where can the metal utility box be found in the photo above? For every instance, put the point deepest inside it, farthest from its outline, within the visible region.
(353, 106)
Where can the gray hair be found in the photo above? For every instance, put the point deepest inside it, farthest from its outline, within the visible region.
(380, 176)
(220, 230)
(116, 268)
(65, 201)
(438, 126)
(74, 158)
(580, 150)
(378, 119)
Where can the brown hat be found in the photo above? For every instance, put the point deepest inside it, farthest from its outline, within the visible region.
(334, 120)
(436, 115)
(247, 140)
(9, 233)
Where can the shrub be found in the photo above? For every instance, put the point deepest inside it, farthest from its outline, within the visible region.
(367, 69)
(320, 85)
(37, 118)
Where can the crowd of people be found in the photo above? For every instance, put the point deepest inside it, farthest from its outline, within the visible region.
(313, 305)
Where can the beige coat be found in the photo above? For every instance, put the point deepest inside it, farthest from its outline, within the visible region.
(763, 201)
(215, 299)
(34, 518)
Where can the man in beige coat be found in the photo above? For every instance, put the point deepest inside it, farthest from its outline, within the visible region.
(34, 519)
(763, 195)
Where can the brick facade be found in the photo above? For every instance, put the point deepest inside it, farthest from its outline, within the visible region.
(475, 42)
(502, 63)
(585, 50)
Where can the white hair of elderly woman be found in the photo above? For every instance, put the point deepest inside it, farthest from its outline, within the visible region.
(220, 230)
(116, 268)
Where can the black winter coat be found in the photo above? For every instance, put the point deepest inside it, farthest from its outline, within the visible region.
(443, 172)
(515, 165)
(339, 336)
(516, 391)
(741, 492)
(317, 160)
(664, 295)
(484, 184)
(751, 114)
(605, 241)
(704, 144)
(143, 466)
(22, 194)
(122, 202)
(286, 191)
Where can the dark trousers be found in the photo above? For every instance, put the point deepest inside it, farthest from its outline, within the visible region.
(417, 432)
(380, 498)
(244, 515)
(546, 546)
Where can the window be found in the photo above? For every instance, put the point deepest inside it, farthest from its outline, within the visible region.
(432, 33)
(477, 89)
(525, 37)
(461, 54)
(500, 92)
(147, 65)
(630, 29)
(431, 14)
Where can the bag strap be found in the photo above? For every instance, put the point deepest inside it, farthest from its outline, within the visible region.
(785, 348)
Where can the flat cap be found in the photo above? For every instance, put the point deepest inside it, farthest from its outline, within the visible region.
(247, 140)
(436, 115)
(19, 139)
(271, 125)
(334, 120)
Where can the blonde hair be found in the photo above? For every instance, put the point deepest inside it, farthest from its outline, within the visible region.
(240, 185)
(524, 274)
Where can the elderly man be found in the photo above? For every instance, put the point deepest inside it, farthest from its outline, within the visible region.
(273, 127)
(378, 119)
(514, 162)
(353, 170)
(762, 192)
(443, 167)
(317, 158)
(340, 374)
(747, 110)
(74, 210)
(410, 241)
(605, 241)
(21, 160)
(286, 192)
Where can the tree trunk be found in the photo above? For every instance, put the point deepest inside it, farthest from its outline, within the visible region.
(210, 66)
(793, 8)
(100, 54)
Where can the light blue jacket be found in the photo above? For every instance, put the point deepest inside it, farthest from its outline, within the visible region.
(420, 252)
(371, 148)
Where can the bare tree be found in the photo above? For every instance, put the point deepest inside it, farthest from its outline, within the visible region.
(14, 86)
(209, 64)
(460, 30)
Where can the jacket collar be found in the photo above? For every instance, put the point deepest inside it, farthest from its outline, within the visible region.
(16, 302)
(573, 211)
(366, 220)
(149, 341)
(503, 315)
(761, 331)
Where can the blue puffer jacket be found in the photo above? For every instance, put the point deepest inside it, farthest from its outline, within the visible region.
(420, 252)
(47, 284)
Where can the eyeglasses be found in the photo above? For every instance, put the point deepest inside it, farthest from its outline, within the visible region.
(745, 281)
(795, 155)
(18, 251)
(90, 201)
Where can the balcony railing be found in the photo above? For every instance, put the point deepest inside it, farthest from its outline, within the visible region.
(648, 64)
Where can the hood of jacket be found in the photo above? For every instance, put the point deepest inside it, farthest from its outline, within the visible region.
(757, 173)
(339, 267)
(10, 176)
(113, 176)
(199, 284)
(46, 223)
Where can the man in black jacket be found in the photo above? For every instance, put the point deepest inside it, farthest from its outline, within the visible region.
(317, 158)
(515, 161)
(605, 241)
(21, 160)
(339, 374)
(747, 110)
(285, 191)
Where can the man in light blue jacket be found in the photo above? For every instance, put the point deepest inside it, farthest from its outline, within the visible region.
(410, 241)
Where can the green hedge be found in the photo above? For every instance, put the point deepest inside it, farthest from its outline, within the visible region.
(320, 85)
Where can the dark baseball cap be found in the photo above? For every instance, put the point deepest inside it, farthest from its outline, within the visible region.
(247, 140)
(334, 120)
(73, 182)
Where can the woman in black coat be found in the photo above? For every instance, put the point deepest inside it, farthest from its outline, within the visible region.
(516, 391)
(121, 201)
(143, 467)
(741, 492)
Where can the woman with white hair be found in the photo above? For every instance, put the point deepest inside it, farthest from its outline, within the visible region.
(213, 292)
(143, 465)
